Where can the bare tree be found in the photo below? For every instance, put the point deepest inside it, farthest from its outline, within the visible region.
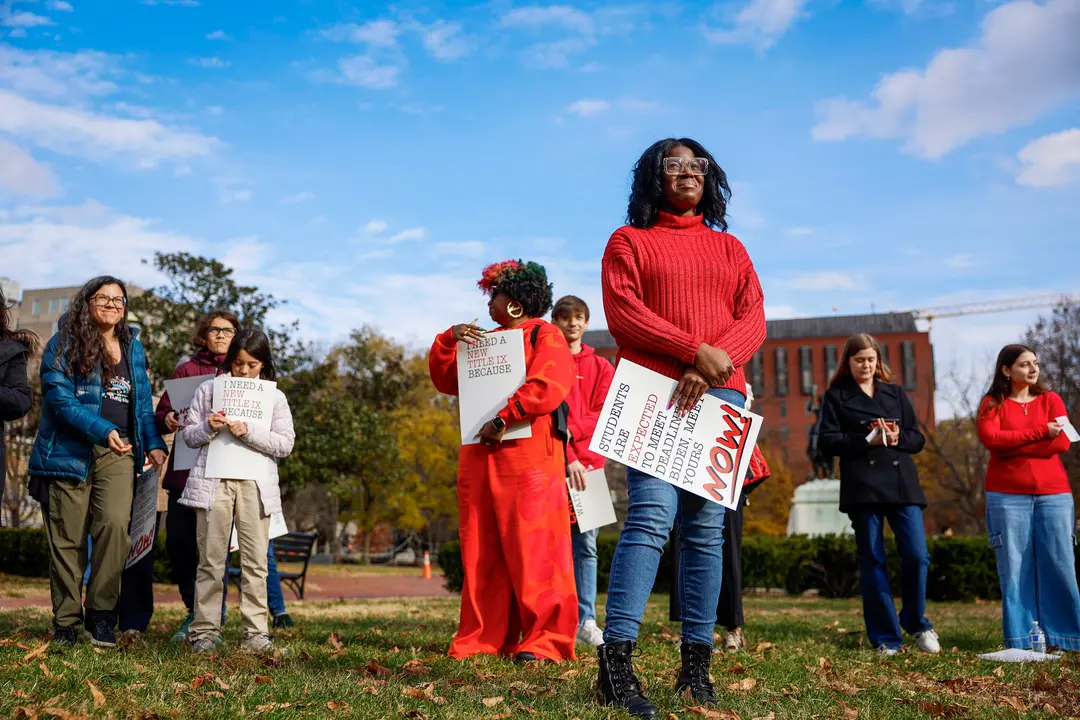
(1056, 340)
(16, 505)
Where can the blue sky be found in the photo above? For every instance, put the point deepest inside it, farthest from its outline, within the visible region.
(364, 160)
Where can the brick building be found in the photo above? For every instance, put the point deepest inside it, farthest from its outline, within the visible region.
(800, 355)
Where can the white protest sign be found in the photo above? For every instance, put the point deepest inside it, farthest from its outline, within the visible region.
(592, 506)
(489, 372)
(181, 391)
(247, 400)
(143, 517)
(278, 527)
(1067, 428)
(706, 453)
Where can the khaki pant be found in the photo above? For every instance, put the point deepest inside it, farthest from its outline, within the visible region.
(234, 500)
(100, 506)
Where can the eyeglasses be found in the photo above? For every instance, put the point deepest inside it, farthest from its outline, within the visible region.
(105, 301)
(221, 331)
(681, 166)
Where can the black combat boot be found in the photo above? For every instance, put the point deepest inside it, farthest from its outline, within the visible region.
(618, 685)
(694, 676)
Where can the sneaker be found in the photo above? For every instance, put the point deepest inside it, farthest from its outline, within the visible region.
(590, 634)
(927, 640)
(733, 640)
(886, 650)
(101, 632)
(66, 636)
(283, 621)
(257, 644)
(182, 634)
(205, 644)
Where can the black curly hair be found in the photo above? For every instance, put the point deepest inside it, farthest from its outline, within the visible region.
(524, 282)
(81, 339)
(24, 337)
(647, 190)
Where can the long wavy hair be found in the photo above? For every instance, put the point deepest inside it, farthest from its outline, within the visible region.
(647, 190)
(1000, 385)
(854, 345)
(25, 337)
(80, 337)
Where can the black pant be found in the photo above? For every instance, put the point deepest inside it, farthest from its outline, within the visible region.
(729, 610)
(136, 604)
(182, 547)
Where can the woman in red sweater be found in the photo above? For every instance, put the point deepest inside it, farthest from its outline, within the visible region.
(681, 298)
(1029, 504)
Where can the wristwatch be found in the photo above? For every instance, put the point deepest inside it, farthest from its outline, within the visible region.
(498, 423)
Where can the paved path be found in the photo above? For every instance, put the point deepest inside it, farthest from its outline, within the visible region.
(318, 588)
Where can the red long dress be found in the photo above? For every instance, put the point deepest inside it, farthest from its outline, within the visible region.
(519, 593)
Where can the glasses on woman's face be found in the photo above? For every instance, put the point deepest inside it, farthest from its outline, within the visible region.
(683, 166)
(103, 301)
(224, 332)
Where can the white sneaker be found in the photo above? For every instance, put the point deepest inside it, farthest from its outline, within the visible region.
(590, 634)
(886, 650)
(927, 641)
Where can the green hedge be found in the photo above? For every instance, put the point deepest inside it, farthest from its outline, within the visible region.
(25, 551)
(961, 568)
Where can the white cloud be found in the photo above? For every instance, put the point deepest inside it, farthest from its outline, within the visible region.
(445, 41)
(228, 193)
(218, 35)
(1051, 160)
(416, 233)
(759, 23)
(22, 19)
(209, 63)
(1023, 65)
(824, 281)
(82, 133)
(364, 71)
(215, 110)
(21, 174)
(588, 108)
(51, 74)
(17, 33)
(556, 55)
(244, 254)
(375, 226)
(537, 17)
(60, 6)
(299, 197)
(378, 33)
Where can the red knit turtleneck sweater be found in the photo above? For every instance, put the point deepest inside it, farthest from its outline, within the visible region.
(676, 285)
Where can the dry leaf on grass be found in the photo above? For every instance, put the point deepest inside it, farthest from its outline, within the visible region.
(999, 671)
(136, 686)
(67, 664)
(264, 680)
(18, 692)
(334, 642)
(99, 698)
(45, 670)
(850, 713)
(374, 669)
(221, 683)
(492, 701)
(39, 651)
(747, 683)
(335, 705)
(60, 713)
(763, 646)
(416, 667)
(714, 713)
(1014, 703)
(272, 706)
(770, 716)
(216, 694)
(98, 650)
(737, 669)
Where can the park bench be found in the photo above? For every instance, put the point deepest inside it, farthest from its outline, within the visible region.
(291, 548)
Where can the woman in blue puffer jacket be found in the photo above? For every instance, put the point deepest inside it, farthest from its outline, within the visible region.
(97, 424)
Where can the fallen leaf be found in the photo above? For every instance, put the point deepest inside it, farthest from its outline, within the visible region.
(999, 671)
(67, 664)
(335, 705)
(763, 646)
(58, 712)
(221, 683)
(737, 669)
(98, 650)
(492, 701)
(39, 651)
(937, 709)
(770, 716)
(414, 693)
(416, 715)
(500, 716)
(99, 698)
(198, 681)
(747, 683)
(18, 692)
(374, 669)
(1014, 703)
(136, 686)
(334, 642)
(45, 670)
(1049, 709)
(25, 712)
(714, 713)
(264, 680)
(216, 694)
(850, 713)
(416, 667)
(272, 706)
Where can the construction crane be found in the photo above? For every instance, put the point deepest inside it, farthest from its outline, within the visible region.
(994, 306)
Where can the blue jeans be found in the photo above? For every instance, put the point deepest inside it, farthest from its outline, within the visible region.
(1032, 536)
(653, 506)
(879, 609)
(584, 546)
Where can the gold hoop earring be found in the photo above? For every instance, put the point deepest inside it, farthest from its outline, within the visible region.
(514, 309)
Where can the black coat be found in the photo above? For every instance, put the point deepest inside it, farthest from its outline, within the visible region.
(15, 394)
(872, 475)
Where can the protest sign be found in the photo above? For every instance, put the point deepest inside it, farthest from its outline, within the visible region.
(591, 508)
(489, 372)
(706, 453)
(181, 392)
(247, 400)
(278, 527)
(143, 528)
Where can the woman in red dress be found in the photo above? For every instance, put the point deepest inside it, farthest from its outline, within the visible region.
(519, 598)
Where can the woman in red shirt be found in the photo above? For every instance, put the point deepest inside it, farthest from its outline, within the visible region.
(682, 299)
(1029, 504)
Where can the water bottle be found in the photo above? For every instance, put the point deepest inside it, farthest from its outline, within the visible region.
(1038, 640)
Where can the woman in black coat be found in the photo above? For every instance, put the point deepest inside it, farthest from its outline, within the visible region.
(15, 393)
(870, 424)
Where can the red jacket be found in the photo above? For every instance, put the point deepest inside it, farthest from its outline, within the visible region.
(203, 363)
(1023, 457)
(586, 400)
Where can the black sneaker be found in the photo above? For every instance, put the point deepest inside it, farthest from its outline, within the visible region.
(283, 621)
(66, 636)
(102, 633)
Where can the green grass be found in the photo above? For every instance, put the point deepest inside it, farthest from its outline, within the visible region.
(386, 658)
